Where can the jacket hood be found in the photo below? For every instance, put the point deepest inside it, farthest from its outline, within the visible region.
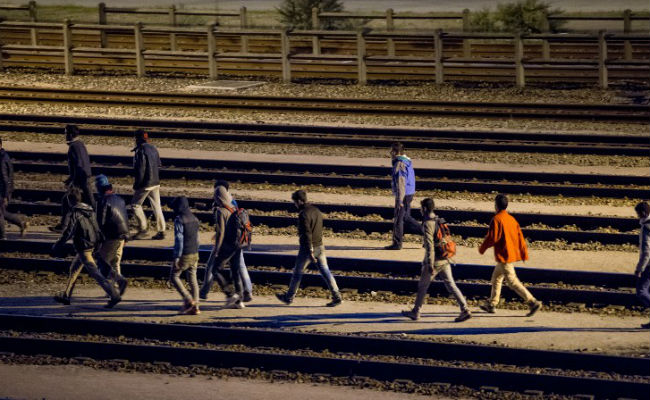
(403, 159)
(645, 221)
(180, 205)
(222, 198)
(84, 208)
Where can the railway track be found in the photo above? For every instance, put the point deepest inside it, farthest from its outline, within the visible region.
(593, 289)
(551, 184)
(586, 112)
(434, 139)
(44, 202)
(283, 353)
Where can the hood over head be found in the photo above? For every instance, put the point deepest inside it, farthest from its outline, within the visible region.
(222, 197)
(180, 205)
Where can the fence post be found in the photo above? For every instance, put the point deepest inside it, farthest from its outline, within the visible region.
(362, 68)
(243, 24)
(103, 40)
(139, 49)
(437, 46)
(67, 47)
(285, 46)
(546, 47)
(32, 17)
(627, 28)
(315, 25)
(602, 60)
(467, 45)
(172, 22)
(212, 50)
(390, 26)
(520, 78)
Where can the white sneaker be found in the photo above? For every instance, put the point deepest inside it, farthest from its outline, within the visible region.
(236, 306)
(232, 300)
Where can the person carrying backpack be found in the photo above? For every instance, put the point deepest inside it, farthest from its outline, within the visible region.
(232, 234)
(438, 249)
(81, 226)
(504, 234)
(186, 254)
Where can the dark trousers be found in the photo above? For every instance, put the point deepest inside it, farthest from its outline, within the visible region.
(403, 217)
(643, 287)
(10, 217)
(215, 269)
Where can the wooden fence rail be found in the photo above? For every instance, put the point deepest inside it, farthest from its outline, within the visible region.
(286, 58)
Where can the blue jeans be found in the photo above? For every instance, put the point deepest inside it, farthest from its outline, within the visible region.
(643, 287)
(302, 261)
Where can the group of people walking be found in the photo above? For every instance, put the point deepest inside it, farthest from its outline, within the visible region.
(99, 228)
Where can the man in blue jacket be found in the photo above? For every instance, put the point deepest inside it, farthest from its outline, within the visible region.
(403, 185)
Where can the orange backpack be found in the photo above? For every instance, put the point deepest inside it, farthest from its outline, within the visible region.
(443, 239)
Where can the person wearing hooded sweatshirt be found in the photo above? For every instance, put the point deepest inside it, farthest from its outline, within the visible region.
(312, 250)
(245, 277)
(435, 264)
(642, 271)
(224, 252)
(79, 174)
(186, 254)
(504, 234)
(146, 185)
(81, 226)
(403, 186)
(6, 190)
(114, 224)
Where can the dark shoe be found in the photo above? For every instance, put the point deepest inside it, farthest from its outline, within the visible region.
(58, 228)
(190, 309)
(113, 301)
(283, 298)
(411, 314)
(121, 286)
(159, 236)
(393, 247)
(464, 316)
(533, 308)
(62, 298)
(23, 229)
(335, 302)
(141, 235)
(645, 326)
(247, 297)
(488, 308)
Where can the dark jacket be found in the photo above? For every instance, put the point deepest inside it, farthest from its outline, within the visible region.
(644, 246)
(78, 164)
(310, 227)
(112, 218)
(6, 175)
(81, 226)
(146, 164)
(186, 228)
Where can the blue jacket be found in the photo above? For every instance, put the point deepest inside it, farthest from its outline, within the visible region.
(403, 177)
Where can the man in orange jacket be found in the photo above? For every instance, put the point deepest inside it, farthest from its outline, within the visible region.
(509, 247)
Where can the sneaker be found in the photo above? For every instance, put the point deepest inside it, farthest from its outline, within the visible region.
(23, 229)
(488, 308)
(534, 307)
(464, 316)
(141, 235)
(411, 314)
(113, 301)
(62, 298)
(238, 305)
(283, 298)
(158, 236)
(247, 297)
(230, 300)
(645, 326)
(121, 286)
(335, 302)
(58, 228)
(194, 311)
(393, 247)
(188, 309)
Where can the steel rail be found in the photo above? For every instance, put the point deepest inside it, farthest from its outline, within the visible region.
(348, 367)
(390, 284)
(354, 176)
(591, 112)
(415, 138)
